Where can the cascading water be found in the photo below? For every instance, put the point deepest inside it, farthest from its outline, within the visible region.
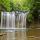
(3, 19)
(7, 23)
(10, 19)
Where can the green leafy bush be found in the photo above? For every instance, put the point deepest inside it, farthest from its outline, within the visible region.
(29, 17)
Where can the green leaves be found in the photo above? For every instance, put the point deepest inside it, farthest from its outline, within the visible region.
(29, 17)
(12, 5)
(6, 4)
(23, 4)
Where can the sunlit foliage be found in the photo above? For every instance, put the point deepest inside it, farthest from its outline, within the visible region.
(23, 4)
(5, 4)
(10, 5)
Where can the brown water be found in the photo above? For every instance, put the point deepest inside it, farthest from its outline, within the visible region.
(32, 34)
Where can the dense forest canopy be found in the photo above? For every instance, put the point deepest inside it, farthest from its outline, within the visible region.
(13, 5)
(5, 4)
(10, 5)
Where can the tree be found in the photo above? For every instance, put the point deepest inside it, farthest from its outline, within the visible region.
(23, 4)
(17, 4)
(6, 4)
(34, 10)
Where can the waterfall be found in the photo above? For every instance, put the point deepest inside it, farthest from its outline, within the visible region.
(13, 19)
(8, 19)
(7, 23)
(19, 20)
(3, 19)
(23, 20)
